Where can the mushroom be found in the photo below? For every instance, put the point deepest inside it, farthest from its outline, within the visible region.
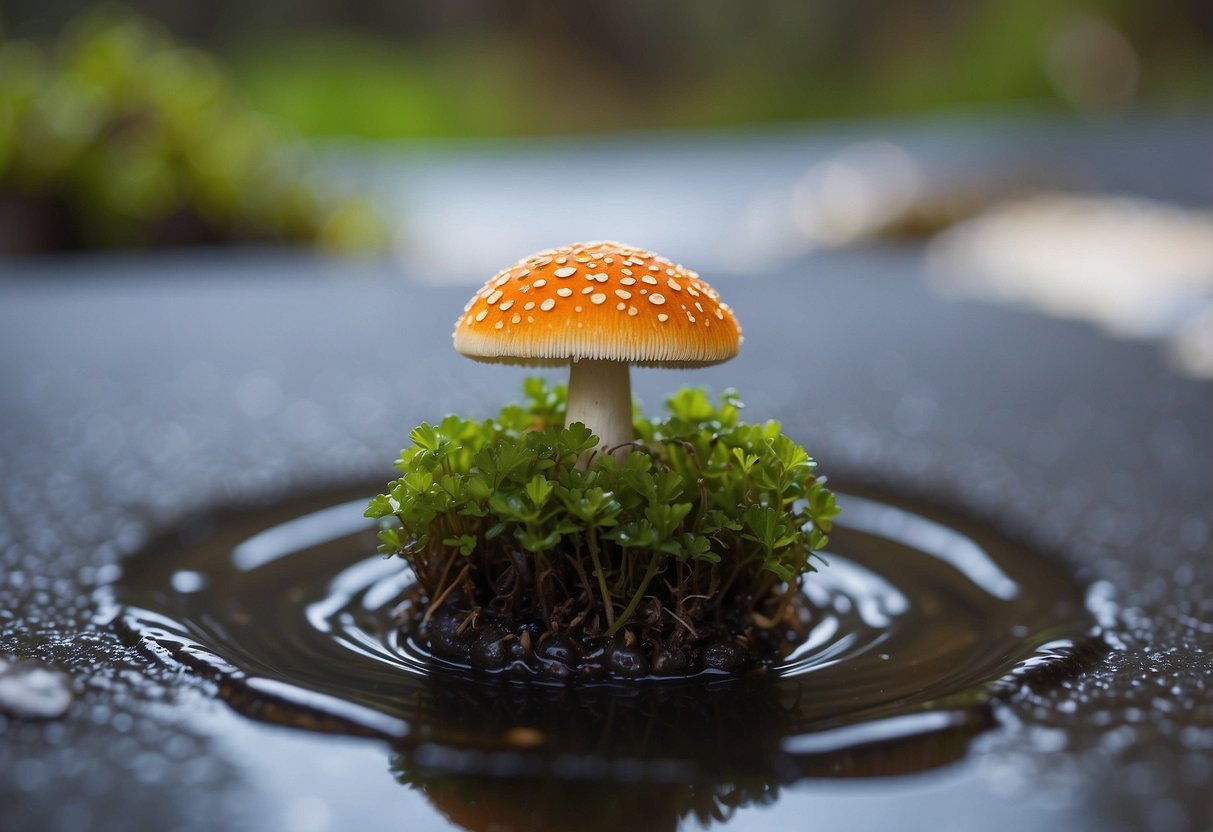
(599, 307)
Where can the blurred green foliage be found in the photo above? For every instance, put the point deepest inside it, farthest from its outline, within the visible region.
(495, 68)
(114, 134)
(117, 136)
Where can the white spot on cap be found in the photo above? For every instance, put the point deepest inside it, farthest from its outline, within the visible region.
(540, 283)
(547, 305)
(493, 298)
(530, 304)
(633, 311)
(663, 317)
(567, 271)
(621, 306)
(623, 293)
(656, 299)
(598, 298)
(674, 284)
(649, 279)
(627, 281)
(564, 291)
(481, 315)
(498, 325)
(506, 306)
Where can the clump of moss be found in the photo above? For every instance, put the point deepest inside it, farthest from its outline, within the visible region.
(533, 550)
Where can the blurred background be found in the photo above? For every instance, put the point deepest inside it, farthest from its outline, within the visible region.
(1041, 151)
(492, 68)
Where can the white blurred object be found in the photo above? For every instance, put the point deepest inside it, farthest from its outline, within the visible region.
(1135, 267)
(855, 195)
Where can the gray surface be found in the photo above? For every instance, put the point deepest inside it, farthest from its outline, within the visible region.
(136, 390)
(747, 201)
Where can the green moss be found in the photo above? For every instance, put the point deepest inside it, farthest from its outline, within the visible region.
(709, 518)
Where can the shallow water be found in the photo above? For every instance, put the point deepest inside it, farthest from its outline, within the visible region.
(921, 620)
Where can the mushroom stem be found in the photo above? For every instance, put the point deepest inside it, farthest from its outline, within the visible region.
(600, 397)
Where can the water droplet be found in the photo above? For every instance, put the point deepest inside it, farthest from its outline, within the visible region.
(187, 580)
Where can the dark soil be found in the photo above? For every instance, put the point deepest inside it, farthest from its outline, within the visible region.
(485, 640)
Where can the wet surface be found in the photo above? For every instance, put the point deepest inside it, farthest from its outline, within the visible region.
(32, 690)
(138, 393)
(919, 623)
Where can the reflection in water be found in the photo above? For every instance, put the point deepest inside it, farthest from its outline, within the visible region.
(540, 758)
(521, 803)
(919, 620)
(944, 543)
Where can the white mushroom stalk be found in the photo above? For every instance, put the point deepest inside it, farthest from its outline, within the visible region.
(598, 307)
(600, 397)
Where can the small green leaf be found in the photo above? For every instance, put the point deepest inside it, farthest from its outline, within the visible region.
(576, 439)
(539, 489)
(390, 539)
(427, 437)
(418, 482)
(465, 543)
(379, 506)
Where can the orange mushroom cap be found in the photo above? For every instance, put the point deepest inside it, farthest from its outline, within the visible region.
(598, 301)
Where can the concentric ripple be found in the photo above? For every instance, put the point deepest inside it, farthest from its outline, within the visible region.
(921, 620)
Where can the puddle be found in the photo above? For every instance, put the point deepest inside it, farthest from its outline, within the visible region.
(922, 620)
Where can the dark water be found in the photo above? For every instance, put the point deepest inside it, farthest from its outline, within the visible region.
(922, 621)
